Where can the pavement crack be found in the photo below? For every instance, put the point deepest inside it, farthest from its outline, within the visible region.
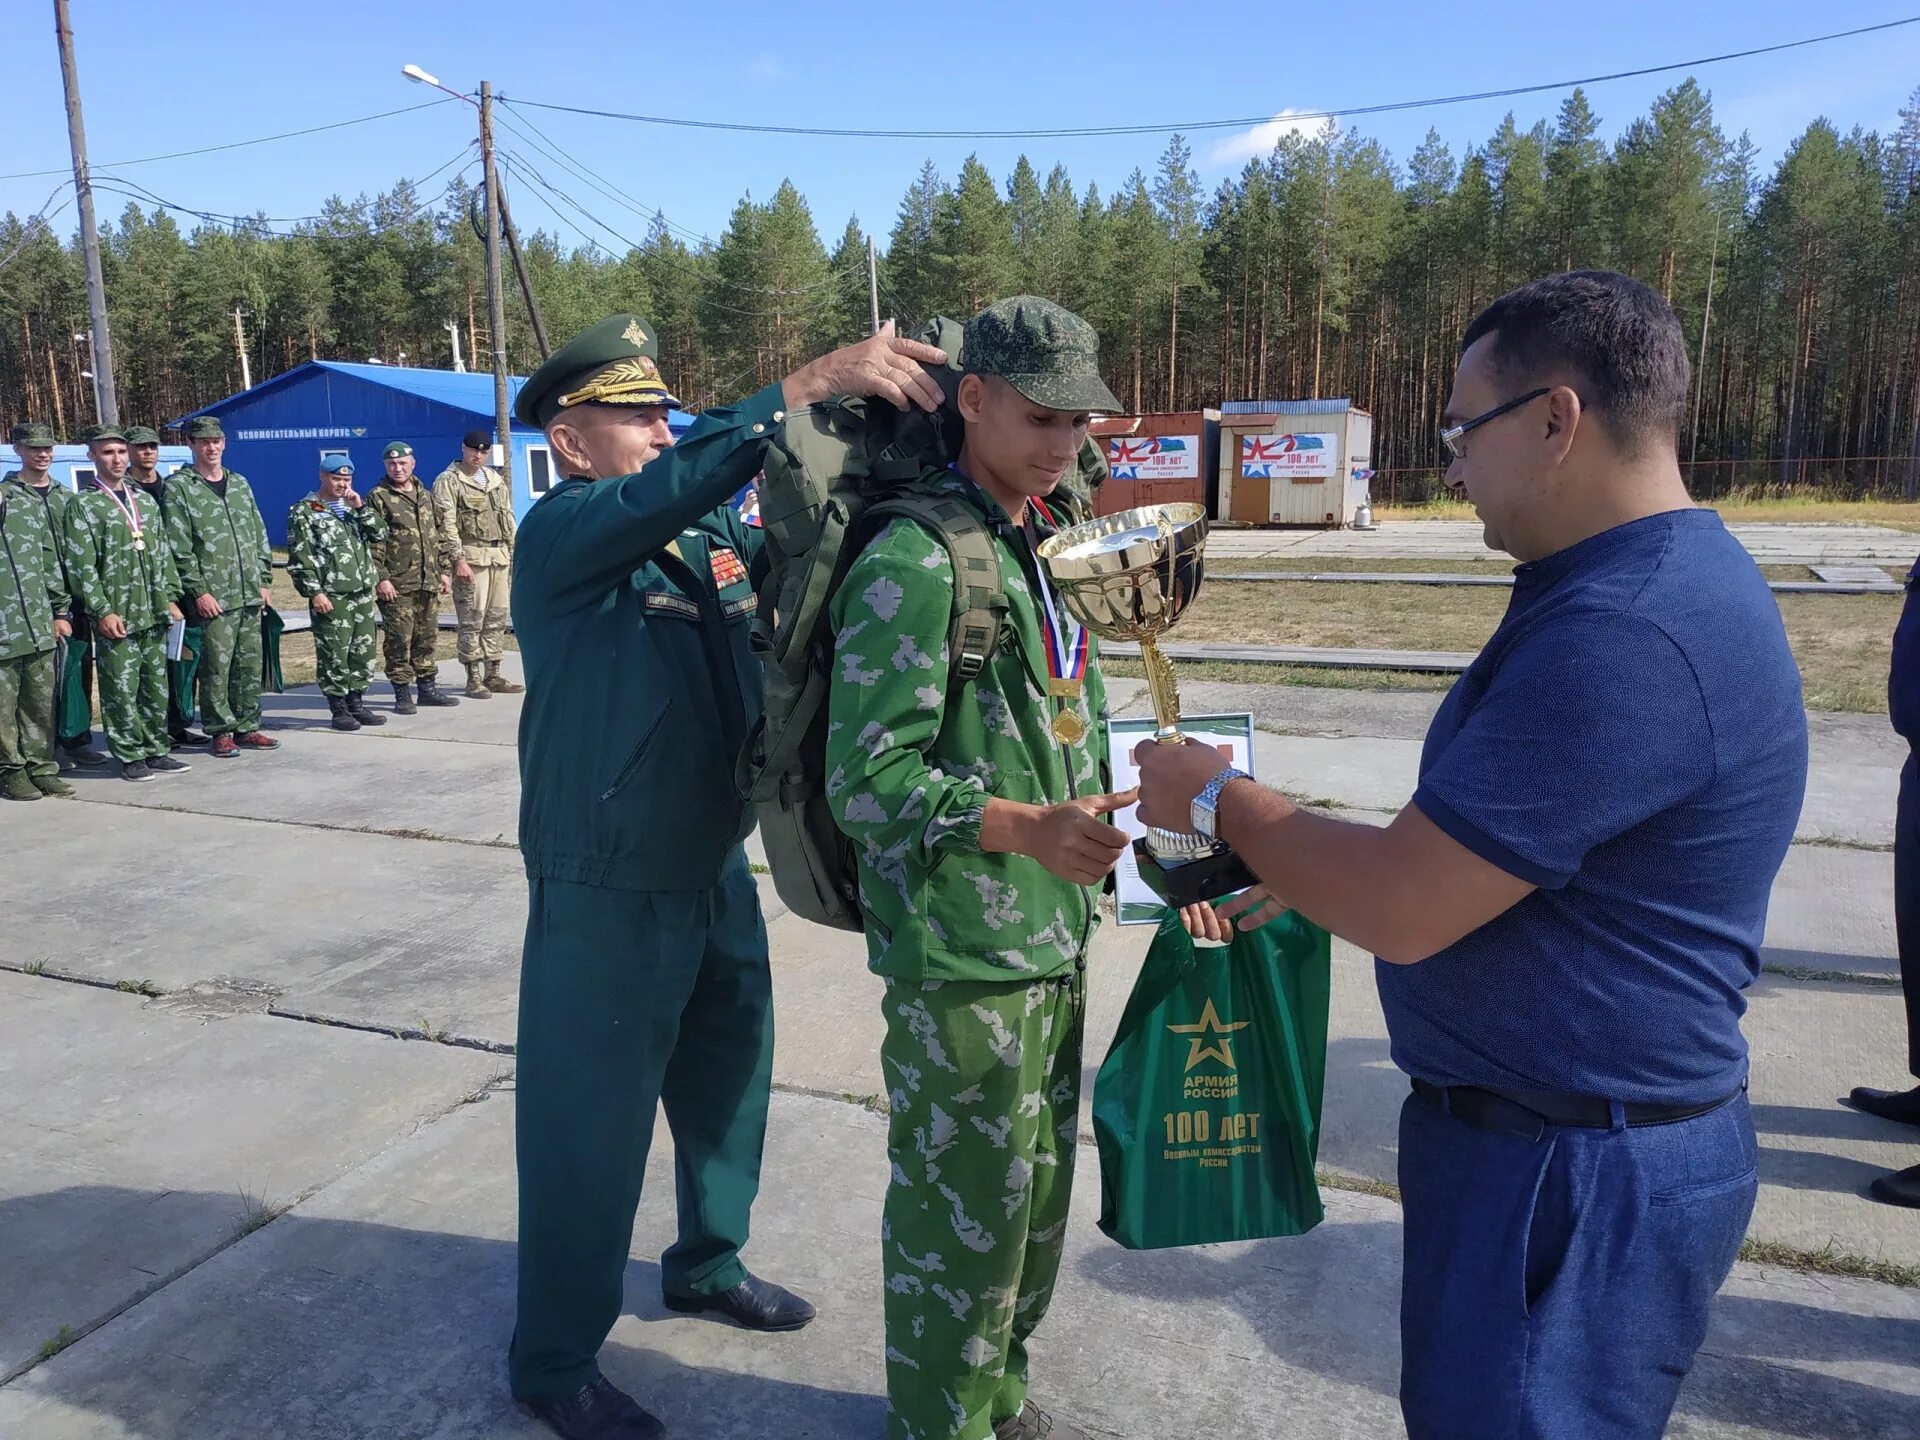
(386, 832)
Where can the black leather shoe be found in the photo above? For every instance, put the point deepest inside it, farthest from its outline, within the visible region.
(189, 740)
(1901, 1105)
(1033, 1423)
(84, 756)
(753, 1304)
(1902, 1187)
(600, 1411)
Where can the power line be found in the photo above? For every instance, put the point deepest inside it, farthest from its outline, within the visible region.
(259, 226)
(238, 144)
(33, 222)
(102, 179)
(1344, 112)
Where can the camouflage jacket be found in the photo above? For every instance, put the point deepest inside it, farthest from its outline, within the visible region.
(476, 516)
(33, 579)
(219, 542)
(112, 575)
(331, 555)
(411, 556)
(52, 502)
(912, 759)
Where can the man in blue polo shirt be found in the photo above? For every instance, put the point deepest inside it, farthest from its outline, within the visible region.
(1567, 913)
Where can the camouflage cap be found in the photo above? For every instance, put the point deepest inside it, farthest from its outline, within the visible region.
(94, 434)
(142, 435)
(204, 427)
(1044, 350)
(612, 363)
(32, 433)
(397, 447)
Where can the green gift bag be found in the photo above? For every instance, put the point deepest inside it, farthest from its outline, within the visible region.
(270, 627)
(1207, 1108)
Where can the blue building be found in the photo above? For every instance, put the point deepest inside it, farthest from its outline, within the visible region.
(279, 431)
(73, 467)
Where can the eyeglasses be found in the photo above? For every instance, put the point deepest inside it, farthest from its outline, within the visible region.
(1451, 435)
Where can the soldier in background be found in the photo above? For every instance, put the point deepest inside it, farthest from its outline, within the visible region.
(330, 561)
(35, 615)
(475, 508)
(412, 579)
(143, 445)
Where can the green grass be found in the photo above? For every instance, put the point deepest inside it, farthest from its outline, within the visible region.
(1234, 672)
(56, 1342)
(256, 1211)
(139, 987)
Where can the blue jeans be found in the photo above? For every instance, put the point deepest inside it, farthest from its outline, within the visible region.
(1558, 1289)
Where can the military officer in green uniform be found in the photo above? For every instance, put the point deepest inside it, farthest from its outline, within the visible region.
(35, 615)
(143, 444)
(644, 978)
(73, 680)
(226, 566)
(330, 561)
(413, 577)
(122, 567)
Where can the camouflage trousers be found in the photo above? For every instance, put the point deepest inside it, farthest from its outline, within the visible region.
(411, 633)
(26, 716)
(133, 693)
(984, 1084)
(343, 644)
(481, 604)
(230, 654)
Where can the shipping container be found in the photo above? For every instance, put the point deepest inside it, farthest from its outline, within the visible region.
(1293, 462)
(1158, 459)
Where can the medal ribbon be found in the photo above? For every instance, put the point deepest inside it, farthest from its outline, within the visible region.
(130, 509)
(1067, 641)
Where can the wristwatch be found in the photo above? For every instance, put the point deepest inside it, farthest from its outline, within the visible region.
(1206, 805)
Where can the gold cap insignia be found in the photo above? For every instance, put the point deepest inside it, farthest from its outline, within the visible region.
(634, 335)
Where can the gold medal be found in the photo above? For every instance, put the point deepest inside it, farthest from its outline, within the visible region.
(138, 543)
(1068, 727)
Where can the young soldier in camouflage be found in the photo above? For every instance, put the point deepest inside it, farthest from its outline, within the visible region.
(35, 612)
(978, 813)
(475, 508)
(220, 547)
(330, 563)
(122, 565)
(411, 561)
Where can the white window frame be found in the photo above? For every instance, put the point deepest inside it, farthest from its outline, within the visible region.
(82, 474)
(546, 453)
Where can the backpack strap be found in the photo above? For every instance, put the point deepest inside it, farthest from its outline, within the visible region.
(979, 599)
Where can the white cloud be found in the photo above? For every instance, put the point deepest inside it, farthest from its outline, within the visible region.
(765, 67)
(1260, 140)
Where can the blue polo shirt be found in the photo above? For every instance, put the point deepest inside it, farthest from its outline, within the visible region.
(1632, 741)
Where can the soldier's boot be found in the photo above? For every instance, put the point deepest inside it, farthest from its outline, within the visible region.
(52, 785)
(19, 786)
(341, 719)
(498, 683)
(476, 681)
(1033, 1423)
(403, 699)
(357, 708)
(431, 694)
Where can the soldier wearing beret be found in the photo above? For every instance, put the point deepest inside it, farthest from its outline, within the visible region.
(475, 507)
(330, 535)
(143, 445)
(220, 548)
(644, 979)
(35, 618)
(73, 682)
(413, 577)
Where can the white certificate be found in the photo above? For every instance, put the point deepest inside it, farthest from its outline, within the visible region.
(1137, 903)
(176, 639)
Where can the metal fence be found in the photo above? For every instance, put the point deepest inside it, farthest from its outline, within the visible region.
(1865, 477)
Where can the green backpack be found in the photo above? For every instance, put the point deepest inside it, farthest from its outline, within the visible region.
(836, 474)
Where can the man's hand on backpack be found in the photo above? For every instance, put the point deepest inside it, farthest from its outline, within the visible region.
(1072, 839)
(884, 365)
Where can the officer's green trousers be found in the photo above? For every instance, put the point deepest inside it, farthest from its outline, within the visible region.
(26, 716)
(983, 1087)
(628, 1000)
(230, 672)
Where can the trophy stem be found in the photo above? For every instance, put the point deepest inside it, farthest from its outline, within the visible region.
(1164, 690)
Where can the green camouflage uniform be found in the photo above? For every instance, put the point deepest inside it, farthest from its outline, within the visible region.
(117, 573)
(331, 555)
(220, 548)
(33, 592)
(410, 559)
(181, 673)
(984, 961)
(73, 682)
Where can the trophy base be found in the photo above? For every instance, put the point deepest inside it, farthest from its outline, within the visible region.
(1188, 883)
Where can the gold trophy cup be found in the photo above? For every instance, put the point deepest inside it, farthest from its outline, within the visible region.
(1128, 577)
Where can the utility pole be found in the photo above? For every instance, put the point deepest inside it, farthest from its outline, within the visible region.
(106, 402)
(240, 348)
(526, 281)
(452, 327)
(496, 306)
(873, 285)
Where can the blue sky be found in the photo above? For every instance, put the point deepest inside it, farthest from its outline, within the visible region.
(158, 77)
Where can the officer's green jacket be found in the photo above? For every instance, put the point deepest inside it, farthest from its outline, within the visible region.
(912, 760)
(640, 685)
(411, 553)
(114, 578)
(219, 542)
(331, 555)
(33, 581)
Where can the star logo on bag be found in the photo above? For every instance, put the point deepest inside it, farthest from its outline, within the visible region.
(1209, 1024)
